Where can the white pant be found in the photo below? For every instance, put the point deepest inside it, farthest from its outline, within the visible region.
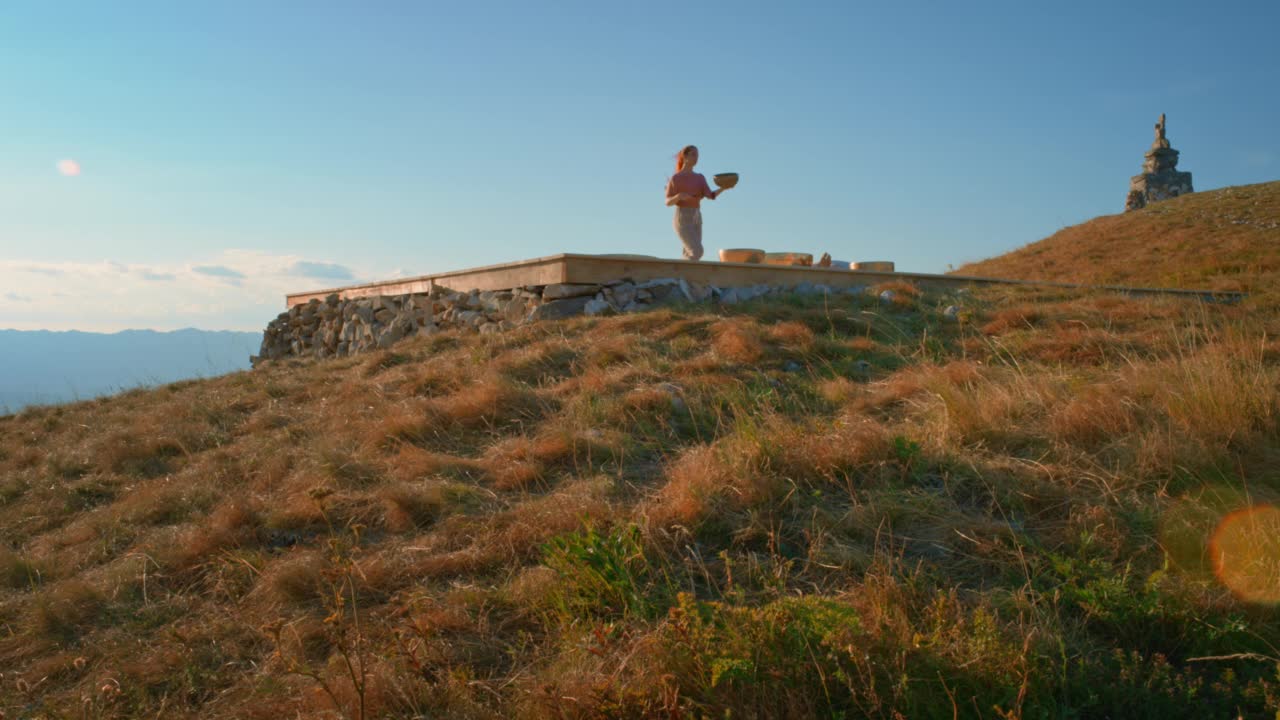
(688, 224)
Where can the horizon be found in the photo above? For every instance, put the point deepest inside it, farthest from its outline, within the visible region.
(183, 167)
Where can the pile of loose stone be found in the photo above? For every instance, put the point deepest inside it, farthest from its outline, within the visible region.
(337, 327)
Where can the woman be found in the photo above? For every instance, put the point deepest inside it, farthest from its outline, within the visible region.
(685, 190)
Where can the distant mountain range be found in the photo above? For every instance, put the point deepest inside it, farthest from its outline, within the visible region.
(43, 367)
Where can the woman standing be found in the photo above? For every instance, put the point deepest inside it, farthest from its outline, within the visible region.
(685, 190)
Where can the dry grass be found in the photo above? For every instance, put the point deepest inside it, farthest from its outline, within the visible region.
(790, 509)
(1216, 240)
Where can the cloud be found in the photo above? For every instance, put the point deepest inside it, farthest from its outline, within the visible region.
(68, 167)
(232, 289)
(40, 269)
(218, 271)
(321, 271)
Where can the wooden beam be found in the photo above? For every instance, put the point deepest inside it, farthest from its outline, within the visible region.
(599, 270)
(538, 271)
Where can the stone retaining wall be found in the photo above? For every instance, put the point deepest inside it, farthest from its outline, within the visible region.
(337, 327)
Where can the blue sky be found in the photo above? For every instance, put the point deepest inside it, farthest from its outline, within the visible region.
(232, 151)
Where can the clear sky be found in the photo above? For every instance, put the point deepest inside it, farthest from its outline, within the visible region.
(222, 153)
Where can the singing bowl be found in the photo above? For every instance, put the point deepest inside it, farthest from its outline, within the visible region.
(788, 258)
(725, 180)
(742, 255)
(874, 265)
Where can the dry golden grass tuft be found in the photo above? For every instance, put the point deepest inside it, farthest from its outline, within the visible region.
(791, 335)
(737, 340)
(411, 506)
(1015, 318)
(234, 523)
(63, 609)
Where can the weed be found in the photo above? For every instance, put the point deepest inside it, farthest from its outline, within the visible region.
(606, 575)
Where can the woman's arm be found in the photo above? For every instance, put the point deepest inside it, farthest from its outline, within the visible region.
(707, 192)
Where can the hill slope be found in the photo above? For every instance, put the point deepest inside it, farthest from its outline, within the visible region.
(1227, 239)
(776, 510)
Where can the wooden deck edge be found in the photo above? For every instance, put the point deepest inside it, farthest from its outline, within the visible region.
(596, 269)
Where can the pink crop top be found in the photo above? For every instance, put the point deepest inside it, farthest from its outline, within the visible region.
(690, 183)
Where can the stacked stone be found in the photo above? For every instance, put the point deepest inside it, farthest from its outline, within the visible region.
(337, 327)
(1160, 178)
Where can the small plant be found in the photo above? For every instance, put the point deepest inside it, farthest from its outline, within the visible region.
(606, 575)
(343, 627)
(906, 451)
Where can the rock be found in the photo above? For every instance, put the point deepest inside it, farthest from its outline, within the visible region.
(383, 315)
(364, 311)
(469, 317)
(597, 306)
(676, 393)
(656, 282)
(685, 290)
(792, 366)
(515, 310)
(490, 328)
(623, 294)
(952, 312)
(562, 291)
(700, 293)
(557, 309)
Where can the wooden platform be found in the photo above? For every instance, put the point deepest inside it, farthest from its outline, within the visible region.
(600, 269)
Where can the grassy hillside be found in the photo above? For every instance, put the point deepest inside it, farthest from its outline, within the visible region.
(1227, 239)
(1053, 506)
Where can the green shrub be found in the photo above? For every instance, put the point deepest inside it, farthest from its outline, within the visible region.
(606, 575)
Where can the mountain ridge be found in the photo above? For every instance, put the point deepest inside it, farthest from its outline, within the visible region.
(53, 366)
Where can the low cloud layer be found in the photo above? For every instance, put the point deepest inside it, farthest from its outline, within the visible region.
(218, 271)
(322, 271)
(234, 290)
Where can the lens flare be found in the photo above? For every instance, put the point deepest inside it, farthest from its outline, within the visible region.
(1245, 550)
(70, 168)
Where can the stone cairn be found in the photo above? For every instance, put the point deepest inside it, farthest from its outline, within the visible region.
(339, 327)
(1160, 179)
